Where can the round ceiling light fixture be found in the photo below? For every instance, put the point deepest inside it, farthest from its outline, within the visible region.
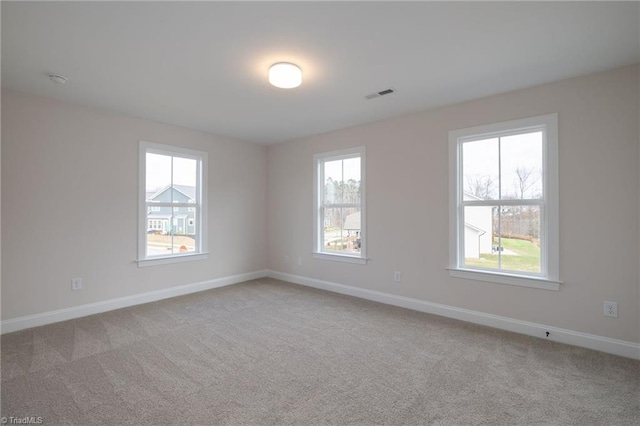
(57, 78)
(285, 75)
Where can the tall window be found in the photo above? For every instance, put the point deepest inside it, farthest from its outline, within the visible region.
(172, 204)
(339, 180)
(504, 202)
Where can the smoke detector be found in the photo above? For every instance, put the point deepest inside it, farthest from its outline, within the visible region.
(57, 78)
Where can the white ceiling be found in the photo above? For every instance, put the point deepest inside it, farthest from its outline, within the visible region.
(204, 65)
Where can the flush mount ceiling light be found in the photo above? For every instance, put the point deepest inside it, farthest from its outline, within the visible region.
(285, 75)
(57, 78)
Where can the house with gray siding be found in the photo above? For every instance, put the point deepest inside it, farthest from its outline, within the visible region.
(177, 220)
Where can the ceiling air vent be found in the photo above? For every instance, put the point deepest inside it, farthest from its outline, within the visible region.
(380, 93)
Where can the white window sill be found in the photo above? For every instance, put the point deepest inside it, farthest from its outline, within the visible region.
(341, 258)
(172, 259)
(509, 279)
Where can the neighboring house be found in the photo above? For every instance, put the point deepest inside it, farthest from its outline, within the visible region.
(180, 220)
(352, 223)
(352, 226)
(478, 228)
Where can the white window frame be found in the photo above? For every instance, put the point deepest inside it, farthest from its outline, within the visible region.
(549, 277)
(200, 204)
(318, 209)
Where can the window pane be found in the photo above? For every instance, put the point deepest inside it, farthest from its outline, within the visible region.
(480, 237)
(480, 169)
(168, 235)
(351, 181)
(521, 166)
(520, 238)
(158, 174)
(184, 238)
(333, 182)
(159, 236)
(510, 244)
(332, 228)
(184, 179)
(341, 230)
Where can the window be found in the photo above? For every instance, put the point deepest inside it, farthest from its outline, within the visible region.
(339, 207)
(172, 179)
(504, 202)
(155, 225)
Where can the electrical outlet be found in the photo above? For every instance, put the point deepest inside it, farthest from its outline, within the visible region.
(397, 276)
(76, 284)
(611, 309)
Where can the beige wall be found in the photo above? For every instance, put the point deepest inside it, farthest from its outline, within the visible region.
(407, 205)
(70, 190)
(69, 205)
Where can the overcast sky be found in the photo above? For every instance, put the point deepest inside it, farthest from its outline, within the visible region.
(159, 171)
(482, 159)
(342, 170)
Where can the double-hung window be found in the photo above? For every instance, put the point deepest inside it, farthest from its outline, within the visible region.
(504, 202)
(172, 204)
(339, 205)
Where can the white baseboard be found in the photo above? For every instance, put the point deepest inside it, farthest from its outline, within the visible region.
(28, 321)
(570, 337)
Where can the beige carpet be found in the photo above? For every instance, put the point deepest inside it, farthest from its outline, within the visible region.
(268, 352)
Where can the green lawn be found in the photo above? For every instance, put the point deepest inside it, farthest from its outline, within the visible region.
(525, 257)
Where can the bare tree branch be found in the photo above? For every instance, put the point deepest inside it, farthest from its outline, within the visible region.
(526, 180)
(480, 186)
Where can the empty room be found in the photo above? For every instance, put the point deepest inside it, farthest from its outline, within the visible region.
(305, 213)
